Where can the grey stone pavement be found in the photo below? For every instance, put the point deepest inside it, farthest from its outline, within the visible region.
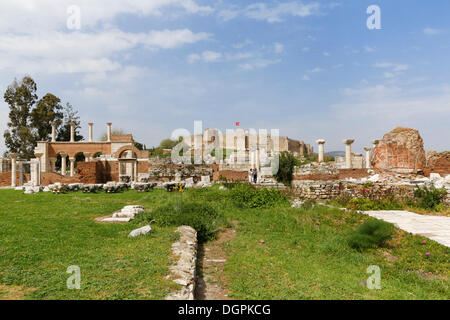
(436, 228)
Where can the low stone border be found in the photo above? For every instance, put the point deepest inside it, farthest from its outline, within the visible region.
(184, 271)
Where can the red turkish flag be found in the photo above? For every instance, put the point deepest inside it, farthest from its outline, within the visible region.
(238, 124)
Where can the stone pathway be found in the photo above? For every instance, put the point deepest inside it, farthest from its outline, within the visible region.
(436, 228)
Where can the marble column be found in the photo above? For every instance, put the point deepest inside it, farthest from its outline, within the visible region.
(13, 157)
(53, 131)
(72, 166)
(348, 152)
(38, 168)
(87, 156)
(321, 152)
(91, 131)
(367, 149)
(63, 163)
(108, 131)
(72, 132)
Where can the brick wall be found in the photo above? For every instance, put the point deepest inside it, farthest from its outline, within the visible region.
(231, 175)
(5, 179)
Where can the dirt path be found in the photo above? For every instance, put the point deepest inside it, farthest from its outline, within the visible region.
(210, 268)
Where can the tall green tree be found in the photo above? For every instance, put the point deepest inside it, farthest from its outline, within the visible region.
(47, 110)
(21, 97)
(70, 115)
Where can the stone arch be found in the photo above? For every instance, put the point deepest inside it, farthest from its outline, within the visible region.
(138, 152)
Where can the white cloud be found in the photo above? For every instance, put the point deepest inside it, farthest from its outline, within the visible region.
(278, 47)
(271, 14)
(431, 31)
(326, 54)
(315, 70)
(305, 78)
(258, 64)
(205, 56)
(38, 16)
(394, 70)
(59, 52)
(211, 56)
(369, 49)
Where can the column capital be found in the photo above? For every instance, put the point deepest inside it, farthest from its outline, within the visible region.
(63, 154)
(320, 141)
(38, 155)
(90, 123)
(71, 158)
(348, 141)
(367, 148)
(109, 123)
(13, 155)
(375, 142)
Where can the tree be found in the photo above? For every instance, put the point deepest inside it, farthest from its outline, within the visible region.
(114, 132)
(47, 110)
(285, 173)
(70, 115)
(20, 97)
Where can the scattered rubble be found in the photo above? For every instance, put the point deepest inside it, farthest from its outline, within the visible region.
(140, 231)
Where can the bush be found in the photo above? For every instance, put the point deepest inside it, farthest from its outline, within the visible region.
(199, 215)
(371, 234)
(429, 198)
(246, 196)
(286, 165)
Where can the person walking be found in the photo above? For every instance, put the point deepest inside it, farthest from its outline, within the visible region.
(255, 175)
(250, 175)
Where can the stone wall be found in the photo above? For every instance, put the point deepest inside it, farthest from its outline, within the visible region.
(171, 172)
(438, 163)
(324, 171)
(323, 190)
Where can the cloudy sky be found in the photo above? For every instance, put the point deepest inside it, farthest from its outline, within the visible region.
(309, 68)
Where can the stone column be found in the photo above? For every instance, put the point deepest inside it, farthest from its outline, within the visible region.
(52, 164)
(348, 152)
(91, 130)
(53, 131)
(87, 156)
(108, 131)
(72, 166)
(72, 132)
(13, 157)
(367, 157)
(38, 168)
(63, 163)
(321, 152)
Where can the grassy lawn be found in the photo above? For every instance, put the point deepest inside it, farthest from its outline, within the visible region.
(304, 254)
(42, 234)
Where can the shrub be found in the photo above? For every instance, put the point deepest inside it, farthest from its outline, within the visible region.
(229, 184)
(246, 196)
(286, 165)
(371, 234)
(199, 215)
(429, 198)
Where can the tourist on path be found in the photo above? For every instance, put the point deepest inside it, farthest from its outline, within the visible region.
(255, 175)
(250, 175)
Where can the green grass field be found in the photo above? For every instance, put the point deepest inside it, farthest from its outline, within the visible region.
(304, 254)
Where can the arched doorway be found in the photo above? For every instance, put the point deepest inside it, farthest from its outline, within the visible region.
(127, 166)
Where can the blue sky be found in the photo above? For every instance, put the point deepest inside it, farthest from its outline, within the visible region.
(309, 68)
